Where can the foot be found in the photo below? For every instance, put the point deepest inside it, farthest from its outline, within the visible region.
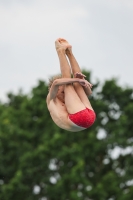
(62, 44)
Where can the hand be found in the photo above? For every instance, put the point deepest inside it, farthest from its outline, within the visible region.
(85, 83)
(79, 75)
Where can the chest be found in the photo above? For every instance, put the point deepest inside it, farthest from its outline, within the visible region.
(57, 107)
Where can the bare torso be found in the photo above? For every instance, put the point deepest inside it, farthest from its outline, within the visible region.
(60, 116)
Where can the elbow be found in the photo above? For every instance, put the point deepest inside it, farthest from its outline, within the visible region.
(88, 93)
(56, 82)
(91, 92)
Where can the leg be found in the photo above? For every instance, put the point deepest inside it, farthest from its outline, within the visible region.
(79, 89)
(64, 65)
(74, 64)
(72, 100)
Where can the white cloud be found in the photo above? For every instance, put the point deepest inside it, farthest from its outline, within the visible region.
(116, 4)
(22, 24)
(100, 32)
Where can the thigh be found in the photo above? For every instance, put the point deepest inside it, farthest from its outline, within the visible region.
(82, 95)
(72, 101)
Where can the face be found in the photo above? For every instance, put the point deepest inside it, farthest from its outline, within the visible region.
(60, 93)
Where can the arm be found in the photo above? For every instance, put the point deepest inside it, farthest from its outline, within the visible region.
(87, 90)
(63, 81)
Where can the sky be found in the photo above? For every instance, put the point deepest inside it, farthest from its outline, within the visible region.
(100, 32)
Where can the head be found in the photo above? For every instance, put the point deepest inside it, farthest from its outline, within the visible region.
(60, 93)
(52, 79)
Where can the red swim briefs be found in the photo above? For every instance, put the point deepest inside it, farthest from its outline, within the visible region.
(84, 118)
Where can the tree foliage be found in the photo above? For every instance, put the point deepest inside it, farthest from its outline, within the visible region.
(40, 161)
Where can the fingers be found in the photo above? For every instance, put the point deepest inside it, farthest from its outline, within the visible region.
(82, 77)
(85, 83)
(79, 75)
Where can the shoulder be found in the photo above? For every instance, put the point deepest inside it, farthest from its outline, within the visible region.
(48, 100)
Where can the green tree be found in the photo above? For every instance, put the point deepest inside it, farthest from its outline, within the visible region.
(40, 161)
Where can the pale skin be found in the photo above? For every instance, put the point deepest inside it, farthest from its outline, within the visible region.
(68, 95)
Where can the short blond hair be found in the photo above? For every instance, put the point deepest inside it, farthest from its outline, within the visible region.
(52, 79)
